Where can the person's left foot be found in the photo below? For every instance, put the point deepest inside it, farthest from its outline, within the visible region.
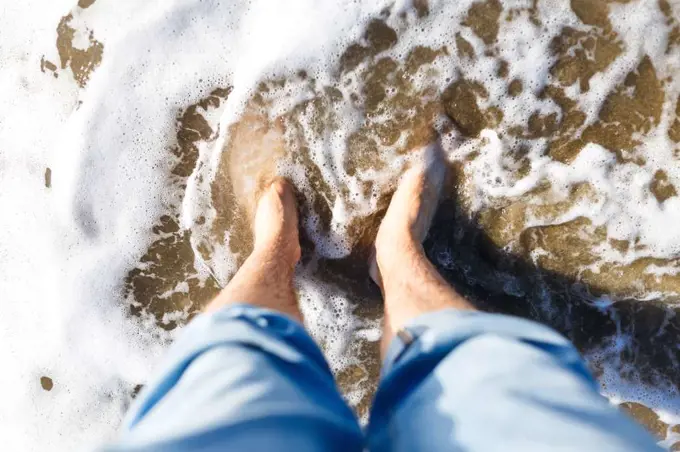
(410, 212)
(275, 226)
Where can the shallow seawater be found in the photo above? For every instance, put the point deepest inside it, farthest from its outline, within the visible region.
(560, 120)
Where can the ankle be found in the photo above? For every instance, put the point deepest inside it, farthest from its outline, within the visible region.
(397, 263)
(281, 256)
(395, 251)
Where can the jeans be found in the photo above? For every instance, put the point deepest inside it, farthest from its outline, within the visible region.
(246, 378)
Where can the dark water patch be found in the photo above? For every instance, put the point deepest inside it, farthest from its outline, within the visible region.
(460, 101)
(672, 22)
(483, 18)
(674, 129)
(582, 54)
(46, 65)
(465, 49)
(646, 417)
(377, 38)
(81, 61)
(632, 110)
(661, 187)
(166, 281)
(515, 88)
(85, 3)
(46, 383)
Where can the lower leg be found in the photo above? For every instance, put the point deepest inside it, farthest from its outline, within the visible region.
(410, 284)
(234, 375)
(266, 277)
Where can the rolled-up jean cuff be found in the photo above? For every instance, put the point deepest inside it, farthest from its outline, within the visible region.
(430, 337)
(275, 333)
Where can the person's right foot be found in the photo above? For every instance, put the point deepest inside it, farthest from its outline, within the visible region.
(411, 210)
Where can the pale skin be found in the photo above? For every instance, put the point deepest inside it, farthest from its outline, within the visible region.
(410, 284)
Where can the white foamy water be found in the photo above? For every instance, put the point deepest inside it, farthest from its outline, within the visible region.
(65, 250)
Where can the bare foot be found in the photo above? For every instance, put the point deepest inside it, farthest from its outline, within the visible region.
(411, 210)
(275, 226)
(266, 277)
(256, 145)
(410, 284)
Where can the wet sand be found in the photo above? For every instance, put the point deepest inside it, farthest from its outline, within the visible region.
(553, 273)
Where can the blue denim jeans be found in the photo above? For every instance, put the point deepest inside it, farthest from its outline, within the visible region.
(246, 378)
